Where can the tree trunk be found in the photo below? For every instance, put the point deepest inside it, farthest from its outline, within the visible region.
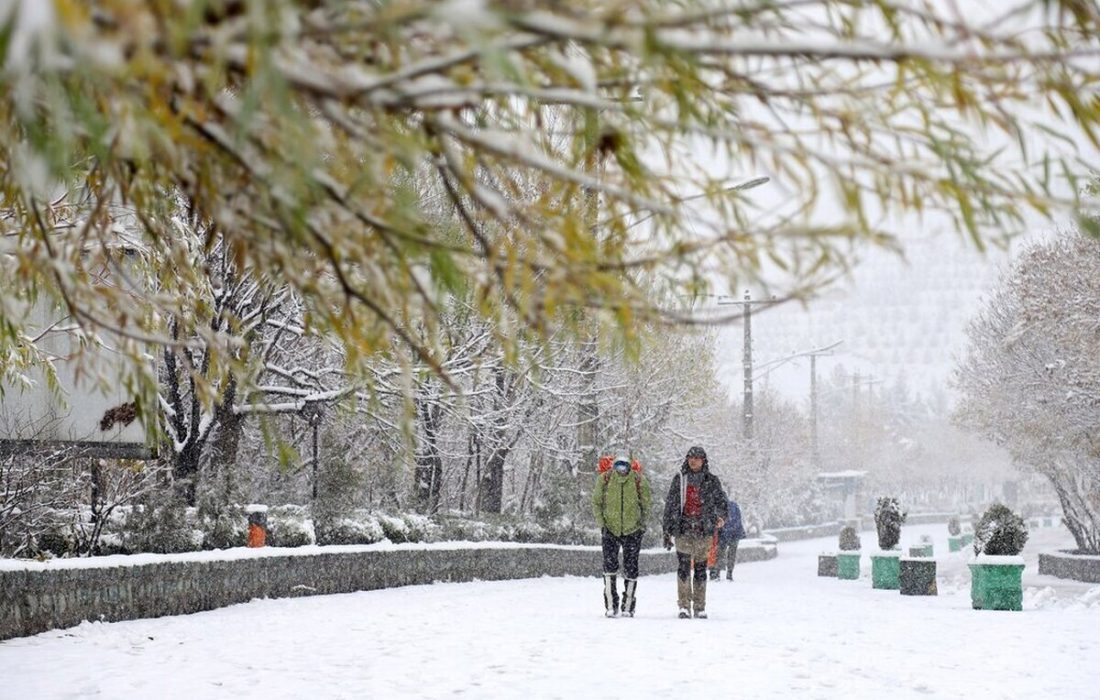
(492, 482)
(226, 441)
(491, 485)
(429, 465)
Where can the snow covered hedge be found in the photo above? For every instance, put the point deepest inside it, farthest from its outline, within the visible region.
(37, 596)
(164, 530)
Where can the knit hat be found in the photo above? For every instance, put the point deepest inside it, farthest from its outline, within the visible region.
(697, 451)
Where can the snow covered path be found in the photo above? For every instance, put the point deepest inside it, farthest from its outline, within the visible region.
(777, 631)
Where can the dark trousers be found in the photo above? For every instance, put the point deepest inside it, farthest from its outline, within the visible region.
(686, 567)
(630, 544)
(727, 552)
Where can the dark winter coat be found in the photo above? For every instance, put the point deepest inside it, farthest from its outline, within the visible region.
(713, 499)
(733, 529)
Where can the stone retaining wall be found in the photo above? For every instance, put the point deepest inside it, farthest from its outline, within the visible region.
(1080, 567)
(33, 601)
(806, 532)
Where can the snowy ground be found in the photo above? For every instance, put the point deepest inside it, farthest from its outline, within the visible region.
(777, 631)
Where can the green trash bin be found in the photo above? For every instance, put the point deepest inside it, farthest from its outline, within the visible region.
(884, 570)
(996, 583)
(847, 565)
(955, 544)
(976, 589)
(920, 550)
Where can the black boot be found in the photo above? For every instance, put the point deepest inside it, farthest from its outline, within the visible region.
(611, 595)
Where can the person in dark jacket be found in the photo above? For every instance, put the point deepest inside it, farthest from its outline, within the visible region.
(728, 537)
(695, 508)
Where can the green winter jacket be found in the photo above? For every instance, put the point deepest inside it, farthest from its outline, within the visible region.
(621, 503)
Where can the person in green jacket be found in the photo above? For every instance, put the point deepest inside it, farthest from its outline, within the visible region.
(620, 501)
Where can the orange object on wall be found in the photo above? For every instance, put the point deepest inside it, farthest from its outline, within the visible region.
(257, 536)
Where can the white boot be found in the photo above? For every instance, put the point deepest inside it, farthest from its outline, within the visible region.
(610, 595)
(628, 597)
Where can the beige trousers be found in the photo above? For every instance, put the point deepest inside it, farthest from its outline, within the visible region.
(691, 591)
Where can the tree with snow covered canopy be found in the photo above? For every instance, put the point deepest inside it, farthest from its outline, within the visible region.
(296, 131)
(1031, 377)
(1000, 532)
(848, 539)
(888, 519)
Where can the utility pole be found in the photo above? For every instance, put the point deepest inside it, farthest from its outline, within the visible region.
(815, 454)
(746, 361)
(771, 365)
(747, 428)
(814, 354)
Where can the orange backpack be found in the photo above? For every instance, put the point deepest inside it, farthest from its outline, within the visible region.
(607, 461)
(604, 468)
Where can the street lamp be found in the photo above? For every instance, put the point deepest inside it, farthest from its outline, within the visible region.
(313, 412)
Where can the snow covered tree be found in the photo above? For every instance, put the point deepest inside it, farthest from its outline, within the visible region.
(1031, 376)
(888, 519)
(774, 481)
(1000, 532)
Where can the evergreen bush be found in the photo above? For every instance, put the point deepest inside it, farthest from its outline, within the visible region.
(397, 530)
(1000, 532)
(888, 519)
(160, 526)
(953, 527)
(224, 528)
(356, 528)
(849, 539)
(290, 526)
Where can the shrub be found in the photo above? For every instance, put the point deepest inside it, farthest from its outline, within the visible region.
(953, 527)
(888, 519)
(527, 531)
(459, 529)
(360, 528)
(849, 539)
(289, 526)
(161, 527)
(55, 542)
(396, 529)
(225, 529)
(1000, 532)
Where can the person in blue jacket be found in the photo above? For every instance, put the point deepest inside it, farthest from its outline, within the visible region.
(732, 531)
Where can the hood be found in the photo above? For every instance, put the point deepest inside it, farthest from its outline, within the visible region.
(684, 468)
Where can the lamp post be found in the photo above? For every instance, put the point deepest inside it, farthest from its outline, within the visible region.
(313, 413)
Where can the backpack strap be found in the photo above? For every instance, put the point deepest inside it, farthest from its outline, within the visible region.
(637, 481)
(604, 469)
